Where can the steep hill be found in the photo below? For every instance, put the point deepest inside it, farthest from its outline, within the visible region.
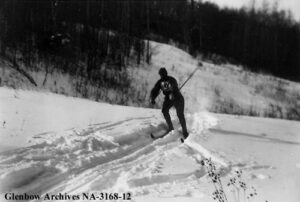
(223, 88)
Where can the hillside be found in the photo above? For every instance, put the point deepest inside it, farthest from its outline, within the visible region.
(261, 36)
(77, 123)
(223, 88)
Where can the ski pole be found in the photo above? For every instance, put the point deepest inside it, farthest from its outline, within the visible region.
(191, 75)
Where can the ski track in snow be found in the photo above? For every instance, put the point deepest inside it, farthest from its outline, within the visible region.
(108, 157)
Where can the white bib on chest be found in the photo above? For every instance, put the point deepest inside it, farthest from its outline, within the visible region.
(166, 86)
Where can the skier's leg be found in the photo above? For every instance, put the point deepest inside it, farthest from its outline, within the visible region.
(179, 105)
(165, 110)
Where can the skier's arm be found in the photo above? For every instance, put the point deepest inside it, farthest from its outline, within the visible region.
(155, 91)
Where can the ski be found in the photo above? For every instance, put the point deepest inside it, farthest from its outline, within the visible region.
(163, 133)
(160, 134)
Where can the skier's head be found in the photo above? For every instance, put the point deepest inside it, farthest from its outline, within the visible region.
(163, 72)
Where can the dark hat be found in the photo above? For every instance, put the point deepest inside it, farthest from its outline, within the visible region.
(163, 72)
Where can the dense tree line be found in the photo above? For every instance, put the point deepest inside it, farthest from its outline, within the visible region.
(91, 39)
(108, 32)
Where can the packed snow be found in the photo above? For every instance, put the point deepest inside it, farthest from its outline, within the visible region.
(53, 144)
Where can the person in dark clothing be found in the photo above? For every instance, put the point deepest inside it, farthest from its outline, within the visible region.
(168, 85)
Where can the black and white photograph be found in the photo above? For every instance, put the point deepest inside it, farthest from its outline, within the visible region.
(150, 100)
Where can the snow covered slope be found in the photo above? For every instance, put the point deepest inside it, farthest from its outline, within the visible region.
(222, 88)
(225, 88)
(53, 144)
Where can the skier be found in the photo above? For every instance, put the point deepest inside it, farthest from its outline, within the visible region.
(173, 97)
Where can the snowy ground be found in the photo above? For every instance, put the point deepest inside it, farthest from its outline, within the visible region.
(56, 144)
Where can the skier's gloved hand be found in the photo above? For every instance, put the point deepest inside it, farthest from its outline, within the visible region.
(153, 102)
